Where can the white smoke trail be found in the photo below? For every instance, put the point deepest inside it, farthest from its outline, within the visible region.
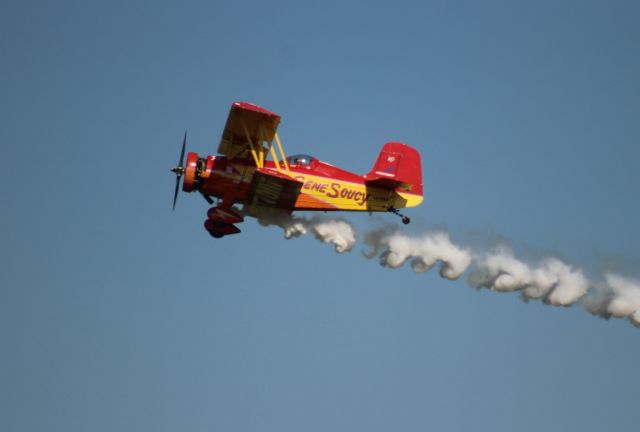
(337, 232)
(552, 281)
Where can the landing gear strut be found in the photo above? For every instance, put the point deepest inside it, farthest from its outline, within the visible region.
(405, 219)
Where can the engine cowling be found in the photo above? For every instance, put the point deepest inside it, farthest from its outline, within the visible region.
(190, 172)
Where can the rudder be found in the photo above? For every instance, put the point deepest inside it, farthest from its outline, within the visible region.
(398, 164)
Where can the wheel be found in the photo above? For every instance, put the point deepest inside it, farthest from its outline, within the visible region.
(406, 220)
(212, 229)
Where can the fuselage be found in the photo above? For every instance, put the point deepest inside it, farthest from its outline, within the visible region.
(324, 187)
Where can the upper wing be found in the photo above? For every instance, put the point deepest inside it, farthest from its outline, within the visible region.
(248, 126)
(273, 189)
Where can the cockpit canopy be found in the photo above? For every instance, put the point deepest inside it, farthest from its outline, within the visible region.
(300, 160)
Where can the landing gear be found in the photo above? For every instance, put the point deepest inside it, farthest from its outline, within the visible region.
(220, 229)
(216, 234)
(405, 219)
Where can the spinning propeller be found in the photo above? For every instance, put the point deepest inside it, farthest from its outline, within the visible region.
(179, 170)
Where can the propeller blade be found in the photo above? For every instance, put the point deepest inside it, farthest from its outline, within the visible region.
(184, 145)
(179, 170)
(175, 194)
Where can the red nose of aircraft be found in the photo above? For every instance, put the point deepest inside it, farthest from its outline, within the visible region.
(190, 170)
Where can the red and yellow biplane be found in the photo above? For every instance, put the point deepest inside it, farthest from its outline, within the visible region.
(243, 175)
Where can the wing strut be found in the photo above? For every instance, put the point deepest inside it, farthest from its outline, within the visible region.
(260, 149)
(284, 158)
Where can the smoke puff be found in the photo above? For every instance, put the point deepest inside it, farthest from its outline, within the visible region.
(500, 271)
(635, 318)
(419, 266)
(337, 232)
(626, 297)
(425, 251)
(569, 287)
(553, 281)
(618, 297)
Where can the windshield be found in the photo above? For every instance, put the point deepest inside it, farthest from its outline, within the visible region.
(300, 159)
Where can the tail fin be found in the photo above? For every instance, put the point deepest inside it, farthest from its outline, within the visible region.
(398, 166)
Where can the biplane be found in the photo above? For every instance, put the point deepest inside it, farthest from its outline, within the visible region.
(252, 170)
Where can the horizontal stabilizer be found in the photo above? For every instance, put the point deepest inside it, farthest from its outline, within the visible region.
(385, 183)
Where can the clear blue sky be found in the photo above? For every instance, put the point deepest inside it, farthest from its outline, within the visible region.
(117, 314)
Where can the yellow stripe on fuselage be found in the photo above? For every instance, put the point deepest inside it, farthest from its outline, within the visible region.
(333, 194)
